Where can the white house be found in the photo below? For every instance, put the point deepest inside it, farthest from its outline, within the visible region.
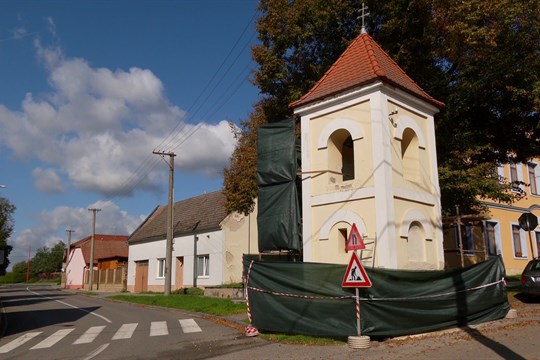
(208, 245)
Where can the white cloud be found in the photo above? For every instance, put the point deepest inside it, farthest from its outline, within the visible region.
(97, 128)
(51, 26)
(51, 225)
(47, 180)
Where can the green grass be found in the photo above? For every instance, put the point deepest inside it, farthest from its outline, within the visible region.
(302, 339)
(208, 305)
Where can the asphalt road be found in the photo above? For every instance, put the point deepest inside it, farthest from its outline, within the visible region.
(47, 323)
(49, 311)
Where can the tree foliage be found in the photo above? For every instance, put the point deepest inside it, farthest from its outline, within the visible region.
(6, 229)
(299, 41)
(480, 57)
(47, 261)
(239, 184)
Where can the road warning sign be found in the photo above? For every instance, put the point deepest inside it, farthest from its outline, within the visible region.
(355, 276)
(354, 241)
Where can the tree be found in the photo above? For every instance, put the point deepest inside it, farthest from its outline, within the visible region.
(18, 272)
(6, 228)
(239, 182)
(47, 261)
(299, 41)
(491, 53)
(480, 57)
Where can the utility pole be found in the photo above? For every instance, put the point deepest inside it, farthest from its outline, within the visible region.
(28, 265)
(170, 233)
(69, 231)
(91, 281)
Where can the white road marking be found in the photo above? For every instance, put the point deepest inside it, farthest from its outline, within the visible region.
(89, 335)
(125, 331)
(72, 306)
(189, 326)
(96, 352)
(158, 328)
(53, 339)
(18, 341)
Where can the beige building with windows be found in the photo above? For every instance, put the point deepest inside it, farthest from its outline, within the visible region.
(498, 232)
(369, 158)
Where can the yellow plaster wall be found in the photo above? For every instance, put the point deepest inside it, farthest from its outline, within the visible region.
(417, 256)
(331, 250)
(424, 182)
(507, 215)
(320, 158)
(240, 237)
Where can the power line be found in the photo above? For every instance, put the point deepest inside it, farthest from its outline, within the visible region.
(177, 137)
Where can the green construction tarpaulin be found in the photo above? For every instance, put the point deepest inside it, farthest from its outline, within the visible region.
(279, 209)
(276, 153)
(307, 298)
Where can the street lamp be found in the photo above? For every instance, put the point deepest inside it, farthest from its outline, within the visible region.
(2, 186)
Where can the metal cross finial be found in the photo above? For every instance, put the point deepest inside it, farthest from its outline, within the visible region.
(363, 16)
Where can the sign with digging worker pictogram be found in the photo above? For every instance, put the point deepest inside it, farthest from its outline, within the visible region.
(355, 276)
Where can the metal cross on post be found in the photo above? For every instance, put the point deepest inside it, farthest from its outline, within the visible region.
(363, 16)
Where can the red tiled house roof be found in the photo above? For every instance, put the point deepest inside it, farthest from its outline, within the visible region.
(363, 62)
(105, 247)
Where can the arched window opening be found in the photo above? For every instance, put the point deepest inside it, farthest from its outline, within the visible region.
(341, 156)
(347, 159)
(415, 242)
(410, 154)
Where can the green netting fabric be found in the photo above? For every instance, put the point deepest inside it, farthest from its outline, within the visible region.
(276, 153)
(278, 219)
(279, 209)
(307, 298)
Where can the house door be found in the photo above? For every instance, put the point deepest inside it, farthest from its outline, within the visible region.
(179, 273)
(141, 276)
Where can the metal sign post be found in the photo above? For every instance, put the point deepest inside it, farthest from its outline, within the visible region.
(356, 276)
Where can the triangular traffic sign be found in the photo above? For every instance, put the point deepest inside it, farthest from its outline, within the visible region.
(354, 241)
(355, 276)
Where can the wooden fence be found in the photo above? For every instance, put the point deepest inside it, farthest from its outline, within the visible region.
(107, 280)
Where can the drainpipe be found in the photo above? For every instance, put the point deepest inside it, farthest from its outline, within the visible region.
(195, 238)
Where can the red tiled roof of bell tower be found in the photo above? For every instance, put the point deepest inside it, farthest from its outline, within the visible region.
(363, 63)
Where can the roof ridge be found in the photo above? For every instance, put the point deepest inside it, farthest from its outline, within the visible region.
(363, 62)
(374, 62)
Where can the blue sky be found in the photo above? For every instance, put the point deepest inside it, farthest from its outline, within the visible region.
(90, 88)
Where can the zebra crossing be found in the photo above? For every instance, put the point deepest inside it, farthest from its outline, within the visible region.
(126, 331)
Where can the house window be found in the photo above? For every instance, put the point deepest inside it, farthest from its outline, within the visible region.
(203, 266)
(410, 154)
(516, 237)
(532, 178)
(160, 268)
(514, 176)
(467, 238)
(491, 240)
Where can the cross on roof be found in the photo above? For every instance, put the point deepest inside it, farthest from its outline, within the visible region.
(363, 16)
